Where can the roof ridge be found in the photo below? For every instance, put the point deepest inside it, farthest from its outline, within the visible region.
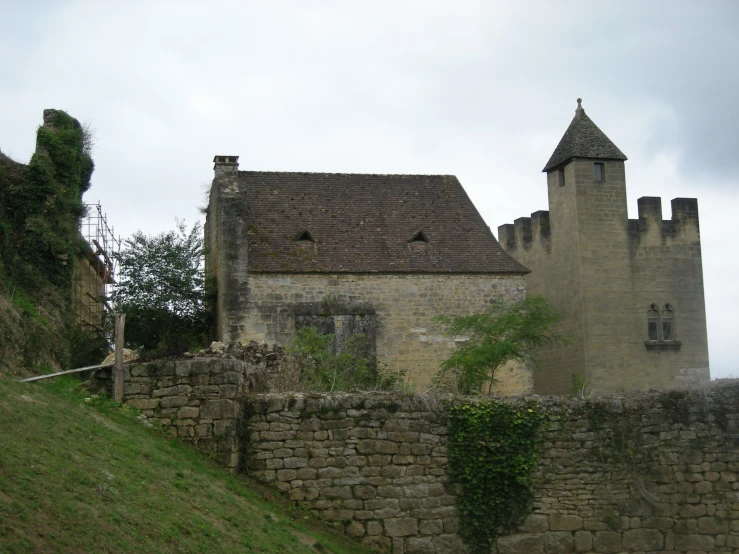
(350, 174)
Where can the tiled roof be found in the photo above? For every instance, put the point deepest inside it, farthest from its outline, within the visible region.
(583, 139)
(365, 223)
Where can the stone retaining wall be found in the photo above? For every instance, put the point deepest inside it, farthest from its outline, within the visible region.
(638, 472)
(643, 472)
(198, 400)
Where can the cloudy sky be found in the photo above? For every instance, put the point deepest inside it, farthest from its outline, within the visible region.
(482, 90)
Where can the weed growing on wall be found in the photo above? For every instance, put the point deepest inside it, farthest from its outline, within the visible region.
(492, 452)
(503, 333)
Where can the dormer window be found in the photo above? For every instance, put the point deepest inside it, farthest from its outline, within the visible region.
(419, 238)
(305, 236)
(599, 171)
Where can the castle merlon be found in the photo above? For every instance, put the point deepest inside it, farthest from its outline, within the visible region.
(525, 231)
(684, 218)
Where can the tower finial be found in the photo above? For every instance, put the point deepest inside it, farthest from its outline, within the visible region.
(579, 106)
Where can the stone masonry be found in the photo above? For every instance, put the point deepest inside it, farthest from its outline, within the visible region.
(407, 336)
(199, 401)
(638, 472)
(644, 472)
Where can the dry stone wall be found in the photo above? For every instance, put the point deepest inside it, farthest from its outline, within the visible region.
(199, 400)
(639, 472)
(644, 472)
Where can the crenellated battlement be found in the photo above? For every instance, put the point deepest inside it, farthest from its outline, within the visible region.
(650, 227)
(524, 232)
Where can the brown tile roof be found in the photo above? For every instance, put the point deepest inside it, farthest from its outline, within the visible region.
(583, 139)
(365, 223)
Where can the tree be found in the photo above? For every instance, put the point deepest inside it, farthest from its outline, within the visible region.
(161, 290)
(503, 333)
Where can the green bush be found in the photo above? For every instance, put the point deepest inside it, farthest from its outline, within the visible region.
(503, 333)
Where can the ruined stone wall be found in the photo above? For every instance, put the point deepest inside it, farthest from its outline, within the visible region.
(644, 472)
(403, 305)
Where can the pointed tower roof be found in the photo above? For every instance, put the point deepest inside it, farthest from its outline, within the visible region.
(583, 139)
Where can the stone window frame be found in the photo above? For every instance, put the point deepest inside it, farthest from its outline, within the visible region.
(657, 318)
(561, 176)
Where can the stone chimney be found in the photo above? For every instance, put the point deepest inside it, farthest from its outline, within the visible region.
(225, 164)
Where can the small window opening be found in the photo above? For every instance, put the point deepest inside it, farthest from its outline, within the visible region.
(561, 177)
(420, 236)
(599, 172)
(305, 236)
(652, 320)
(667, 323)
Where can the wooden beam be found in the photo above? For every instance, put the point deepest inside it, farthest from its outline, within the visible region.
(78, 370)
(120, 323)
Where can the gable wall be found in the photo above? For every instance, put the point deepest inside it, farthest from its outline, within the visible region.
(407, 338)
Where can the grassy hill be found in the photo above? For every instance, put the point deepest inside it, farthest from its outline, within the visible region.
(83, 475)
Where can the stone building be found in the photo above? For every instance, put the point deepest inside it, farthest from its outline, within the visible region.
(377, 254)
(631, 289)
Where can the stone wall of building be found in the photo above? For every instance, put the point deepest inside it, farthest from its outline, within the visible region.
(643, 472)
(603, 271)
(403, 306)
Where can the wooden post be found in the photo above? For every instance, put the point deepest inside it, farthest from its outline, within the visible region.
(120, 323)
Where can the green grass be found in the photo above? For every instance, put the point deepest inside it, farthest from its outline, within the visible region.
(79, 476)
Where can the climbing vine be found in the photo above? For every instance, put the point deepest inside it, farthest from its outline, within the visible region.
(42, 204)
(492, 452)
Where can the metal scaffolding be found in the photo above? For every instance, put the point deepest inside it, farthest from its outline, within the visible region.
(96, 270)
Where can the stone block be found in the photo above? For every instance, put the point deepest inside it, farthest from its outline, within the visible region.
(607, 541)
(344, 492)
(401, 527)
(188, 412)
(521, 543)
(419, 545)
(218, 409)
(355, 529)
(431, 527)
(712, 525)
(563, 522)
(295, 463)
(143, 403)
(374, 528)
(365, 492)
(173, 401)
(583, 541)
(640, 540)
(558, 542)
(686, 543)
(535, 523)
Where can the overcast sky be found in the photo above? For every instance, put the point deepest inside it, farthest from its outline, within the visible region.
(481, 90)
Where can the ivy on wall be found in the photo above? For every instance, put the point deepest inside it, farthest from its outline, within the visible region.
(492, 452)
(40, 210)
(42, 205)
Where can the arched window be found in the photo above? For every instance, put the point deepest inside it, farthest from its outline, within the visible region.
(653, 322)
(667, 323)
